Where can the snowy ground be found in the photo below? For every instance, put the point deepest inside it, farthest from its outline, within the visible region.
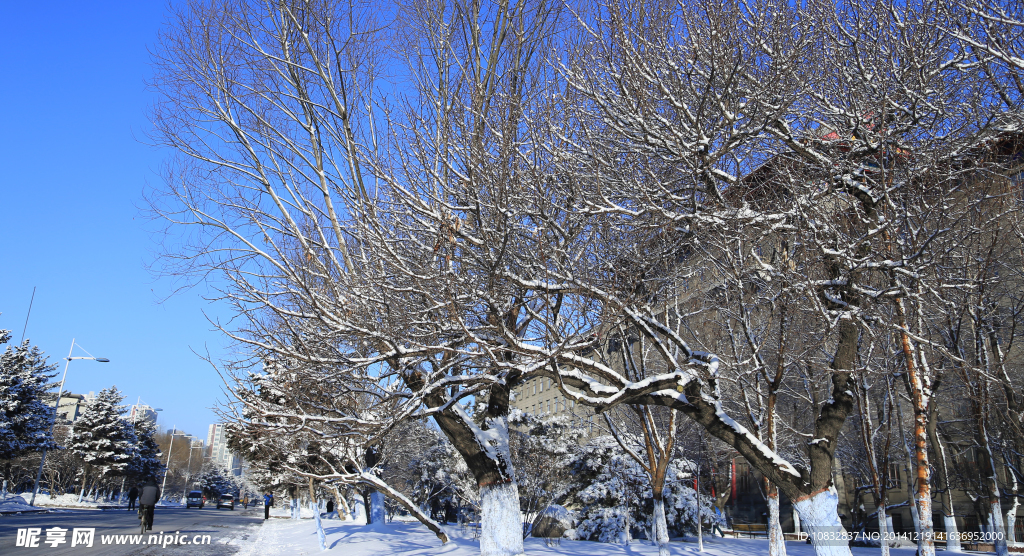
(279, 537)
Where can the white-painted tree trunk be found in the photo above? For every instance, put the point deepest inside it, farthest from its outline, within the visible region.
(819, 516)
(925, 527)
(377, 511)
(952, 534)
(776, 540)
(660, 527)
(501, 527)
(883, 531)
(1011, 522)
(319, 526)
(995, 527)
(796, 521)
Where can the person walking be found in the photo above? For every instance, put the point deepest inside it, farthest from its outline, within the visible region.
(245, 502)
(133, 495)
(147, 501)
(268, 501)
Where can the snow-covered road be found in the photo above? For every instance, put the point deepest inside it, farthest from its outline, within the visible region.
(116, 532)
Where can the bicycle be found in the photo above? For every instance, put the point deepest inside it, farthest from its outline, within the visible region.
(144, 524)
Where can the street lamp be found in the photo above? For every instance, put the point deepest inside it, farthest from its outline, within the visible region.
(188, 469)
(167, 468)
(56, 407)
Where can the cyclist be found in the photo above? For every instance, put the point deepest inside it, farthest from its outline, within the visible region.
(147, 502)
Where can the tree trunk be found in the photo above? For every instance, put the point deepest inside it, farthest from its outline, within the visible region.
(1011, 522)
(501, 529)
(366, 504)
(921, 398)
(659, 525)
(942, 482)
(378, 512)
(995, 527)
(819, 516)
(486, 453)
(883, 529)
(776, 540)
(340, 504)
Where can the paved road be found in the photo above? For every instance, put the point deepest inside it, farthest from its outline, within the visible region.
(228, 532)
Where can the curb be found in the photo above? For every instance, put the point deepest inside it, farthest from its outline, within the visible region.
(18, 512)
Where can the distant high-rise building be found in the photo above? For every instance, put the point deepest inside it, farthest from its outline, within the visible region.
(142, 411)
(219, 452)
(209, 440)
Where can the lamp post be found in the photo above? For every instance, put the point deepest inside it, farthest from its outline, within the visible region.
(167, 468)
(56, 408)
(188, 469)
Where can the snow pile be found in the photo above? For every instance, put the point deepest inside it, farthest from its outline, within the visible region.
(282, 508)
(15, 504)
(69, 501)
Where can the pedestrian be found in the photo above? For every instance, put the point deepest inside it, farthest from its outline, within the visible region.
(330, 506)
(133, 495)
(435, 510)
(245, 502)
(147, 501)
(449, 512)
(268, 501)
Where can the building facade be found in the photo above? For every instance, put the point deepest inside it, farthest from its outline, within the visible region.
(70, 407)
(142, 411)
(217, 442)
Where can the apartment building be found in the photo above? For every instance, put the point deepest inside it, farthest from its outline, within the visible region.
(540, 396)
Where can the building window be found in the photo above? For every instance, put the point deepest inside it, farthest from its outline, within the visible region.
(893, 480)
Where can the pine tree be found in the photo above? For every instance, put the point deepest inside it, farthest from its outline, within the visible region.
(25, 419)
(146, 461)
(215, 479)
(102, 437)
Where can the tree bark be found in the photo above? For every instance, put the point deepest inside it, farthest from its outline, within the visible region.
(920, 396)
(485, 451)
(952, 533)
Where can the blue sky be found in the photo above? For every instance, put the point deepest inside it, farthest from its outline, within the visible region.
(74, 167)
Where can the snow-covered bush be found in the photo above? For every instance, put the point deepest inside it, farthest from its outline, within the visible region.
(542, 448)
(442, 476)
(682, 504)
(615, 501)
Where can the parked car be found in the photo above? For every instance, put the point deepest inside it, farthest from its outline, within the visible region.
(195, 498)
(226, 501)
